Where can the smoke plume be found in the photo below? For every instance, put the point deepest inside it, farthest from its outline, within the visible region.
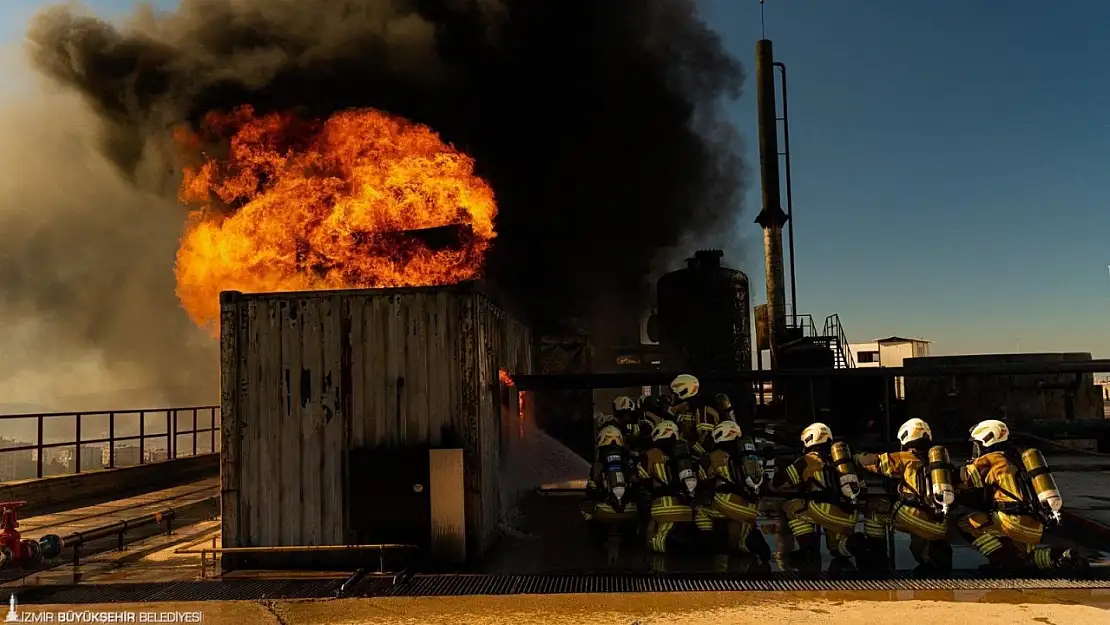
(596, 122)
(86, 283)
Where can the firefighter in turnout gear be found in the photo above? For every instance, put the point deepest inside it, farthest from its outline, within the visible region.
(653, 411)
(695, 418)
(670, 472)
(826, 479)
(610, 504)
(1017, 497)
(923, 479)
(734, 474)
(624, 411)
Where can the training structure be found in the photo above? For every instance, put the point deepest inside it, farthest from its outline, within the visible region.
(366, 417)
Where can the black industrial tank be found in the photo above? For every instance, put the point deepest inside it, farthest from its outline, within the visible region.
(704, 317)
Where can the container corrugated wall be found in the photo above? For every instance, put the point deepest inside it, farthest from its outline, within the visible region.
(308, 376)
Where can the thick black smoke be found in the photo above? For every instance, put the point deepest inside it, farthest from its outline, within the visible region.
(595, 121)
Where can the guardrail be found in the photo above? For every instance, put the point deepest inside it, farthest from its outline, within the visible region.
(201, 436)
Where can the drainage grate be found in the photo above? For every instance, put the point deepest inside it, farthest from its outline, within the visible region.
(445, 585)
(227, 590)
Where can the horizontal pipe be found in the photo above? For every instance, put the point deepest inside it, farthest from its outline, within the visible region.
(766, 496)
(80, 538)
(554, 382)
(295, 549)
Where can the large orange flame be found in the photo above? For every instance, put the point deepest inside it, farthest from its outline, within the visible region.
(300, 205)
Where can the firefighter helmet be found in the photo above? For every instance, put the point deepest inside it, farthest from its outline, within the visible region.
(603, 420)
(623, 404)
(609, 435)
(684, 386)
(726, 431)
(914, 430)
(816, 434)
(990, 432)
(666, 429)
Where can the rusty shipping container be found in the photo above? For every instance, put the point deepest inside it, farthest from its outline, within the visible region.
(311, 379)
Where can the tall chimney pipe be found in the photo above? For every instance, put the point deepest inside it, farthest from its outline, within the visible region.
(771, 218)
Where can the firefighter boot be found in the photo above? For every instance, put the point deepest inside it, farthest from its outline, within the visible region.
(876, 557)
(1047, 558)
(809, 549)
(756, 544)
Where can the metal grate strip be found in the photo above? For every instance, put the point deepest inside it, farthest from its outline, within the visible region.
(227, 590)
(447, 585)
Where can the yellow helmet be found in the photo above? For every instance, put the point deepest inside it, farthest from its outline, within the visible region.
(816, 434)
(990, 432)
(914, 430)
(685, 386)
(622, 404)
(665, 429)
(609, 435)
(603, 420)
(726, 431)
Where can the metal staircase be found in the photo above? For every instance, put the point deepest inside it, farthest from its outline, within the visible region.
(831, 336)
(838, 343)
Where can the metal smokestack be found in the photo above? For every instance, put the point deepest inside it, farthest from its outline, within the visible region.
(771, 218)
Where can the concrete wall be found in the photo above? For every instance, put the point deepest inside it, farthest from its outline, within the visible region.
(58, 490)
(964, 400)
(857, 348)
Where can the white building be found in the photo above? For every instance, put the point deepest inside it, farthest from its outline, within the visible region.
(889, 352)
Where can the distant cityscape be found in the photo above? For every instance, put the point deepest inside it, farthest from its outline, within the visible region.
(23, 464)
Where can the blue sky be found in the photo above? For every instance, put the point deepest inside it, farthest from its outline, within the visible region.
(948, 162)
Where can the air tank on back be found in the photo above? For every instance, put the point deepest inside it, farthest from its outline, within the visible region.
(705, 322)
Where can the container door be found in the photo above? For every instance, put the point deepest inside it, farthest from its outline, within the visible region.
(389, 495)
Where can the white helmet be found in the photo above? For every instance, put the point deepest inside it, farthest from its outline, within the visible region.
(914, 430)
(609, 435)
(685, 386)
(990, 433)
(816, 434)
(665, 429)
(726, 431)
(622, 404)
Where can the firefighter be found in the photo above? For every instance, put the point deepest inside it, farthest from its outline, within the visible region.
(669, 471)
(653, 410)
(610, 504)
(734, 474)
(825, 476)
(1018, 497)
(695, 418)
(624, 411)
(922, 478)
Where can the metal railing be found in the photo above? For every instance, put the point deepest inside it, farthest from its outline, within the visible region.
(833, 327)
(172, 432)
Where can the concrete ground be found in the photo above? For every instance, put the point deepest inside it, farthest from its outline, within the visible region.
(982, 608)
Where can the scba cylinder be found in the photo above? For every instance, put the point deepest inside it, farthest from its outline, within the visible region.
(1044, 485)
(845, 469)
(940, 474)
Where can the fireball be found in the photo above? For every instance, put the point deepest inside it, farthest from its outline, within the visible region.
(362, 200)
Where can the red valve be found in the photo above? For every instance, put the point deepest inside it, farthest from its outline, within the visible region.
(13, 549)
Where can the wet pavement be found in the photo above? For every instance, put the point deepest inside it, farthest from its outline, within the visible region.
(548, 535)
